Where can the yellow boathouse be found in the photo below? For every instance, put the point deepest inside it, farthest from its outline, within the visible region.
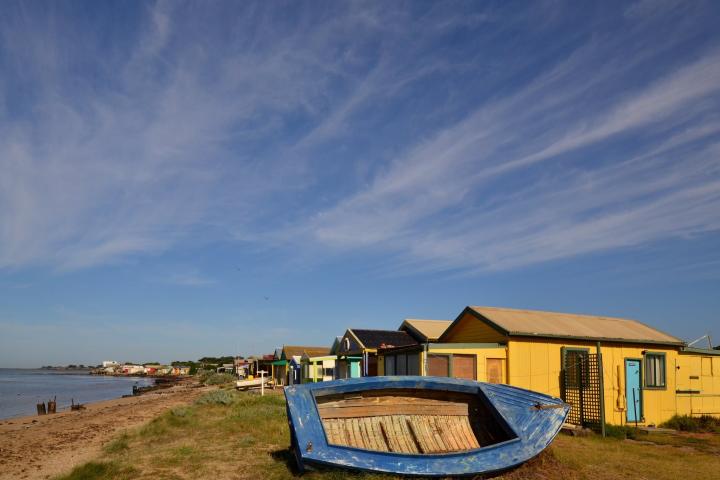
(647, 375)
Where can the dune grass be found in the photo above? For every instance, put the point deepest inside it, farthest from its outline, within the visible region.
(226, 434)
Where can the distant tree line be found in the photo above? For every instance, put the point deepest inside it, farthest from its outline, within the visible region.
(72, 366)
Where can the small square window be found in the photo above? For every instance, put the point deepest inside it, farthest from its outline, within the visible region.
(655, 370)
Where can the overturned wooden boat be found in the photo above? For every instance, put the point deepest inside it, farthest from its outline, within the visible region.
(429, 426)
(254, 383)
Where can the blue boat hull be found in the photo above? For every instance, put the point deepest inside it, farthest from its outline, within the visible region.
(531, 419)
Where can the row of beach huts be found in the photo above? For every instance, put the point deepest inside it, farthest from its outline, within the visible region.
(112, 367)
(612, 370)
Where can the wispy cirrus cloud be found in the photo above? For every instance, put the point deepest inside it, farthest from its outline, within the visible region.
(440, 136)
(189, 279)
(455, 202)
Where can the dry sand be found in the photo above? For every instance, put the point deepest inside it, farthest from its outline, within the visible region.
(40, 447)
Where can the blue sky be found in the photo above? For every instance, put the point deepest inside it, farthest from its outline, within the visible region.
(188, 179)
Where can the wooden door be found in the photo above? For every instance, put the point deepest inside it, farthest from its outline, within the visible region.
(495, 370)
(438, 366)
(464, 366)
(372, 366)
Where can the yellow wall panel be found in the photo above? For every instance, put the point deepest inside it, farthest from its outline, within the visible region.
(481, 353)
(536, 364)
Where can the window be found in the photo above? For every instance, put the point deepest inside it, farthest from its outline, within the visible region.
(577, 371)
(328, 372)
(655, 370)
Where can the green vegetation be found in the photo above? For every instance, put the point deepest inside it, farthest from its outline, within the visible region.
(217, 397)
(685, 423)
(226, 434)
(219, 379)
(620, 431)
(217, 361)
(209, 377)
(117, 445)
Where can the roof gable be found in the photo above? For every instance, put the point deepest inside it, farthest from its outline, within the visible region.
(290, 351)
(425, 330)
(336, 345)
(469, 327)
(349, 343)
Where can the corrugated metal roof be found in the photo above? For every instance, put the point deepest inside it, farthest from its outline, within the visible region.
(428, 330)
(701, 351)
(553, 324)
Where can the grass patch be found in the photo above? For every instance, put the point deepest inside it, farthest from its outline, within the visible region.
(217, 397)
(703, 442)
(100, 471)
(118, 445)
(621, 432)
(221, 379)
(600, 458)
(245, 436)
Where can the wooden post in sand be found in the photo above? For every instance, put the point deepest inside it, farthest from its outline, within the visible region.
(52, 405)
(41, 408)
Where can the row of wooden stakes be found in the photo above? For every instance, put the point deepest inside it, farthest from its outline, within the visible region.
(52, 406)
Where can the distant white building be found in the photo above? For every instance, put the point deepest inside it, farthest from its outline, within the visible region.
(110, 363)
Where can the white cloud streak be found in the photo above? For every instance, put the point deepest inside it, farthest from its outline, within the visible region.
(361, 129)
(445, 204)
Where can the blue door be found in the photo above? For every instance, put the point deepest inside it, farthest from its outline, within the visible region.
(633, 392)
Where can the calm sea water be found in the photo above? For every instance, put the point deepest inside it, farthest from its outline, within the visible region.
(22, 389)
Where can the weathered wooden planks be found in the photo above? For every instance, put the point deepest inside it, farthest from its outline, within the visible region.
(415, 434)
(407, 421)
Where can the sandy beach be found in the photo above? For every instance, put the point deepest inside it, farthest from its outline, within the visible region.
(40, 447)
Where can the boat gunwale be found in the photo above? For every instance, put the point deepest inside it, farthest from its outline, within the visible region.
(478, 393)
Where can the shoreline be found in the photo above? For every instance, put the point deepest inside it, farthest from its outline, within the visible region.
(143, 390)
(21, 390)
(42, 446)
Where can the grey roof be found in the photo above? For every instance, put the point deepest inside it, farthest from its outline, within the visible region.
(383, 338)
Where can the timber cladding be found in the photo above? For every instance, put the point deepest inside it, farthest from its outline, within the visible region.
(468, 329)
